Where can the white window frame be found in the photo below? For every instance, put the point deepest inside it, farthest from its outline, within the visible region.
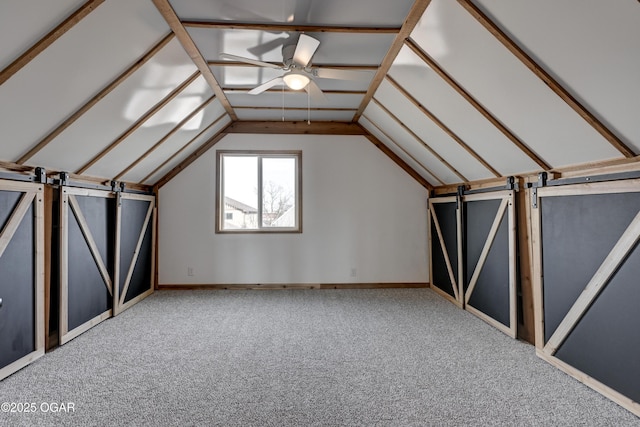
(260, 154)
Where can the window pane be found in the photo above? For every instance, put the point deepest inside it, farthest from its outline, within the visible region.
(240, 192)
(279, 192)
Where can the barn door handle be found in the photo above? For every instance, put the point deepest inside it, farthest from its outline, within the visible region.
(0, 302)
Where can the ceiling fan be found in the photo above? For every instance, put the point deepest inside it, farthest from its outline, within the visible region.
(298, 72)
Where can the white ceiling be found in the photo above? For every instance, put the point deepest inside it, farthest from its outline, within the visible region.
(480, 113)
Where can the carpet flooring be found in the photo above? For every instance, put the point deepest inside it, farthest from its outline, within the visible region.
(386, 357)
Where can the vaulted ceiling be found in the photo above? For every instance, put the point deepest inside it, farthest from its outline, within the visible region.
(454, 91)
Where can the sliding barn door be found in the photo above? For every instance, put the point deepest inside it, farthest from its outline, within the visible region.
(445, 242)
(86, 257)
(490, 258)
(587, 284)
(21, 275)
(135, 246)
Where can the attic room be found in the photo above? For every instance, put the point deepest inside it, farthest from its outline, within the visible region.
(299, 212)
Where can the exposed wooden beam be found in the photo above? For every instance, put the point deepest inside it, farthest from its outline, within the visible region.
(192, 158)
(226, 25)
(563, 93)
(184, 147)
(47, 40)
(411, 171)
(416, 12)
(397, 160)
(424, 110)
(359, 67)
(162, 140)
(315, 128)
(146, 116)
(466, 95)
(245, 89)
(254, 107)
(190, 47)
(420, 140)
(93, 101)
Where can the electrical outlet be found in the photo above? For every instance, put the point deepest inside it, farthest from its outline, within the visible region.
(354, 272)
(189, 271)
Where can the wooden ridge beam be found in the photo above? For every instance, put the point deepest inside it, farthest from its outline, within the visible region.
(359, 67)
(190, 47)
(424, 110)
(315, 128)
(481, 109)
(556, 87)
(48, 40)
(409, 24)
(226, 25)
(96, 98)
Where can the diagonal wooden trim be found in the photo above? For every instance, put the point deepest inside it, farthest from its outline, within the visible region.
(88, 236)
(443, 246)
(485, 250)
(136, 253)
(15, 220)
(190, 47)
(444, 127)
(546, 78)
(48, 40)
(402, 149)
(420, 140)
(93, 101)
(466, 95)
(227, 25)
(162, 140)
(598, 282)
(146, 116)
(184, 147)
(192, 158)
(416, 12)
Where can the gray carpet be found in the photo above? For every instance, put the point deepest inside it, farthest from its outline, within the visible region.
(393, 357)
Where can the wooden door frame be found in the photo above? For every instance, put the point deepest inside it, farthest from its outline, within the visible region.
(457, 299)
(68, 203)
(33, 195)
(546, 350)
(507, 207)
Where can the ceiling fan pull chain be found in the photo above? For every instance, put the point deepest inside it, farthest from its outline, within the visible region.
(283, 103)
(308, 107)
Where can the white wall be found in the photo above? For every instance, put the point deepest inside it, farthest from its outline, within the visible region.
(360, 211)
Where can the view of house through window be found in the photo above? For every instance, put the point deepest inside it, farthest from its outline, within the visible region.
(258, 191)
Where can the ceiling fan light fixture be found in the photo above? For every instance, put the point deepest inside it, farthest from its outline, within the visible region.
(296, 80)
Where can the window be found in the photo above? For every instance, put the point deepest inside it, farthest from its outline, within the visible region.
(259, 191)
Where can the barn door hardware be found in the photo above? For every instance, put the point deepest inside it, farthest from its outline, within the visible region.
(595, 178)
(542, 181)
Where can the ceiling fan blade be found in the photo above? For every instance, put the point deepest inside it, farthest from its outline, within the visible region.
(249, 61)
(335, 73)
(264, 86)
(316, 93)
(305, 49)
(263, 48)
